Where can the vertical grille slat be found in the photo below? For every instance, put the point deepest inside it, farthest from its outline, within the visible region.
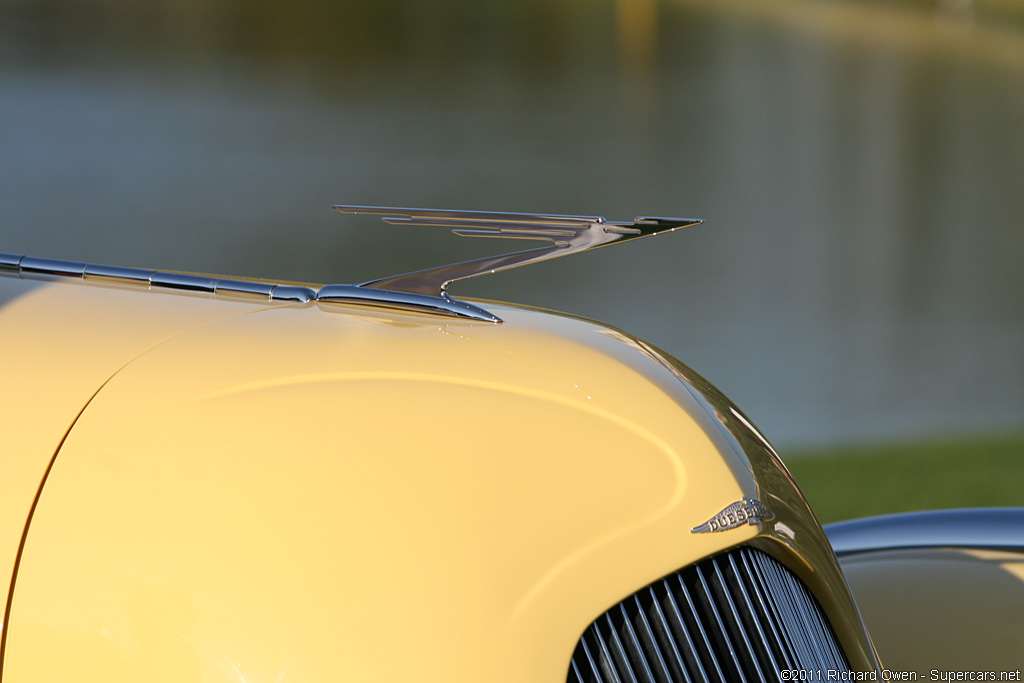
(791, 592)
(749, 609)
(777, 644)
(706, 653)
(725, 652)
(659, 668)
(595, 675)
(789, 622)
(605, 658)
(619, 652)
(636, 652)
(738, 616)
(748, 653)
(677, 663)
(574, 673)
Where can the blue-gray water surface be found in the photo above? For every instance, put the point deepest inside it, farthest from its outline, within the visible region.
(860, 167)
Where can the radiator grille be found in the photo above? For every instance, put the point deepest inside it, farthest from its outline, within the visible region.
(740, 616)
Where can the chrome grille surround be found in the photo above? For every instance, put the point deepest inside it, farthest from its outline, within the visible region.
(738, 616)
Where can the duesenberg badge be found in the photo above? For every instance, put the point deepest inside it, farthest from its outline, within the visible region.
(745, 510)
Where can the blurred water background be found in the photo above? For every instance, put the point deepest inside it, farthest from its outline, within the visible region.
(860, 165)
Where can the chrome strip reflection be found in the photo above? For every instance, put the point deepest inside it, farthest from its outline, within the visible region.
(292, 293)
(981, 528)
(354, 294)
(189, 283)
(260, 290)
(10, 263)
(43, 268)
(130, 276)
(48, 267)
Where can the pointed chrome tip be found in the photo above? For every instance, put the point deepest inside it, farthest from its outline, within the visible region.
(681, 222)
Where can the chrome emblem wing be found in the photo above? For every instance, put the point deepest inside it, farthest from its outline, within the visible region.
(744, 511)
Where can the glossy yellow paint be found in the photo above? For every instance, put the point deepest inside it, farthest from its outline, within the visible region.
(946, 609)
(316, 492)
(58, 344)
(795, 536)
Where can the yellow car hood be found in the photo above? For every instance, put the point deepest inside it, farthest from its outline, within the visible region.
(59, 342)
(315, 492)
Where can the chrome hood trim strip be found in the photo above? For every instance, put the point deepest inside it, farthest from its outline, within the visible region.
(30, 267)
(979, 528)
(10, 263)
(443, 304)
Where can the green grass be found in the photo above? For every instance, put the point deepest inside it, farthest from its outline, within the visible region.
(855, 482)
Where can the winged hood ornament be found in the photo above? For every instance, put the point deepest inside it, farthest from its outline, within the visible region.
(567, 235)
(422, 290)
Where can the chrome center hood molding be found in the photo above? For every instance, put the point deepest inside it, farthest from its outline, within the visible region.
(422, 290)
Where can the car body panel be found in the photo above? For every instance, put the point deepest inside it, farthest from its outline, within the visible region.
(58, 345)
(939, 589)
(321, 492)
(945, 609)
(994, 528)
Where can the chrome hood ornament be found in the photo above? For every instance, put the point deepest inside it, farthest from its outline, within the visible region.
(567, 234)
(744, 511)
(422, 290)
